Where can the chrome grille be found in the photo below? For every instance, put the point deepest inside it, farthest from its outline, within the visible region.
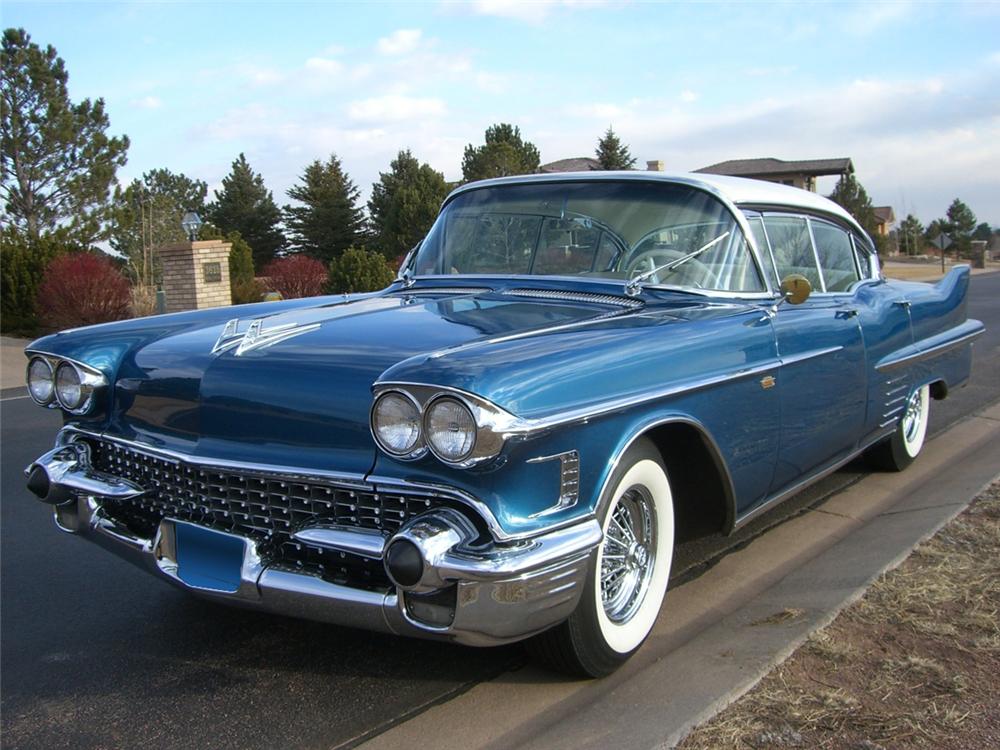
(264, 508)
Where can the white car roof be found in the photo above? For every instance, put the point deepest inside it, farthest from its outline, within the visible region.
(737, 191)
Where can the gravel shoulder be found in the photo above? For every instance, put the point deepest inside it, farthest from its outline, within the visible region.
(914, 663)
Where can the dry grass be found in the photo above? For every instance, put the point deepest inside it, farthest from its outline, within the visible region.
(914, 663)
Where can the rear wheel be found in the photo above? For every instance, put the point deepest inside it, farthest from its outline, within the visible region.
(897, 452)
(628, 575)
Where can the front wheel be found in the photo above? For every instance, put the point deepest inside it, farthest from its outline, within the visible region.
(897, 452)
(628, 575)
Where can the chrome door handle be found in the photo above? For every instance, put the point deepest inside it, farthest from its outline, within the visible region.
(847, 313)
(902, 302)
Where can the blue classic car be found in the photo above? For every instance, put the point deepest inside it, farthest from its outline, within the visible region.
(571, 373)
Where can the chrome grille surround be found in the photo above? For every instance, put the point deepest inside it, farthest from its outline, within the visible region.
(266, 508)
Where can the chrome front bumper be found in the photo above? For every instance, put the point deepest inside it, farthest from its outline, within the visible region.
(501, 593)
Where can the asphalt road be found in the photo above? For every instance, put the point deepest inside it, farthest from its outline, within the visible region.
(95, 653)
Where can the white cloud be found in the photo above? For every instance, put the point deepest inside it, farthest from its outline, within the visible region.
(531, 11)
(147, 102)
(399, 42)
(324, 66)
(688, 96)
(395, 107)
(868, 18)
(597, 111)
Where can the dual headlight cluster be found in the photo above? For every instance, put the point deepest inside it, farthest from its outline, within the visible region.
(53, 381)
(459, 429)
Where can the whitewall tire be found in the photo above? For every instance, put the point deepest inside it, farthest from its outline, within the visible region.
(628, 575)
(898, 450)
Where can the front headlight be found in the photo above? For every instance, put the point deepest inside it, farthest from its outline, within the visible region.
(450, 429)
(69, 387)
(396, 423)
(39, 377)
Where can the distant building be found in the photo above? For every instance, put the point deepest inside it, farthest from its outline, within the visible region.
(885, 217)
(800, 174)
(576, 164)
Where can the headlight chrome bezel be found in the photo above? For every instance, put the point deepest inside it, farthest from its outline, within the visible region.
(419, 447)
(493, 424)
(91, 382)
(426, 427)
(51, 379)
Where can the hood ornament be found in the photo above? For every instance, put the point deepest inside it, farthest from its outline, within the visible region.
(256, 336)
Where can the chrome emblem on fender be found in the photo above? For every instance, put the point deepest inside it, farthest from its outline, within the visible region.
(256, 336)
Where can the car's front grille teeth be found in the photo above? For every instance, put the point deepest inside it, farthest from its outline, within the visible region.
(265, 509)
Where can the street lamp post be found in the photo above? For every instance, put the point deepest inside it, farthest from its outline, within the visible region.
(191, 223)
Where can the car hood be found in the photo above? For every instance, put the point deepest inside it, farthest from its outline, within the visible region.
(300, 392)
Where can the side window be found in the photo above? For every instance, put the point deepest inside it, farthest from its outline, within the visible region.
(836, 256)
(760, 237)
(864, 256)
(792, 248)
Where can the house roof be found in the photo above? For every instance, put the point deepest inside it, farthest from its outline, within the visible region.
(736, 190)
(774, 167)
(884, 214)
(574, 164)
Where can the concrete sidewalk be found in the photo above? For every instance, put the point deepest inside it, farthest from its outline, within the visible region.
(12, 362)
(721, 633)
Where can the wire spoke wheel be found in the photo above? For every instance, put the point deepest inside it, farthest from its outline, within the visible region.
(628, 554)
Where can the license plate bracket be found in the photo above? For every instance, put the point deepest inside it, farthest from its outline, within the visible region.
(208, 559)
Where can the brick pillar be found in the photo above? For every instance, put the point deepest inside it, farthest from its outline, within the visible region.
(196, 275)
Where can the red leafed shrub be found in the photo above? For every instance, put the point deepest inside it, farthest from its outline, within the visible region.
(296, 276)
(80, 289)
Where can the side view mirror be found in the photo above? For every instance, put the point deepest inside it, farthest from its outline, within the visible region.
(795, 288)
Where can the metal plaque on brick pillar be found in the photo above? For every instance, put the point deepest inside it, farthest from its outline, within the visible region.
(196, 275)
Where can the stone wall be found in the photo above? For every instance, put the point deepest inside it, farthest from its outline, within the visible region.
(196, 275)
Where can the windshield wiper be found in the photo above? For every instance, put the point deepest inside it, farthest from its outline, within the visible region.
(633, 285)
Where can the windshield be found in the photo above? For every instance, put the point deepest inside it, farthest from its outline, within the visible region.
(655, 233)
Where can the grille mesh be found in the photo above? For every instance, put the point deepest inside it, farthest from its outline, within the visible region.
(266, 509)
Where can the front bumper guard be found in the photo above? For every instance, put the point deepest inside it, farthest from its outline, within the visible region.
(503, 593)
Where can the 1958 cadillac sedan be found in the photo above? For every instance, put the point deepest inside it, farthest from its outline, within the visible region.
(572, 372)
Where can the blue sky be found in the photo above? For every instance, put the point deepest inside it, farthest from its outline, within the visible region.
(910, 91)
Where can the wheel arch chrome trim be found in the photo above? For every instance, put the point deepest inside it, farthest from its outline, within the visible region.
(711, 445)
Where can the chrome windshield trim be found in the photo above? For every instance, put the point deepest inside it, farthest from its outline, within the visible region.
(570, 296)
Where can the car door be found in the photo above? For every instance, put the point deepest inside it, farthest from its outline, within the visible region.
(822, 381)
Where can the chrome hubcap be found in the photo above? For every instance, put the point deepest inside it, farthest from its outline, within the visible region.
(627, 555)
(911, 418)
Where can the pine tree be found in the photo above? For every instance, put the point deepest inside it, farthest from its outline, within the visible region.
(246, 206)
(853, 198)
(58, 163)
(911, 235)
(329, 221)
(612, 153)
(961, 223)
(504, 153)
(404, 204)
(147, 215)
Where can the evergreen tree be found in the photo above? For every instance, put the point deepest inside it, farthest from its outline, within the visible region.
(329, 220)
(612, 153)
(358, 270)
(961, 223)
(404, 204)
(147, 215)
(246, 206)
(852, 196)
(911, 235)
(58, 163)
(504, 153)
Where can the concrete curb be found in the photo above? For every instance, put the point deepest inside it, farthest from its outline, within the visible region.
(723, 631)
